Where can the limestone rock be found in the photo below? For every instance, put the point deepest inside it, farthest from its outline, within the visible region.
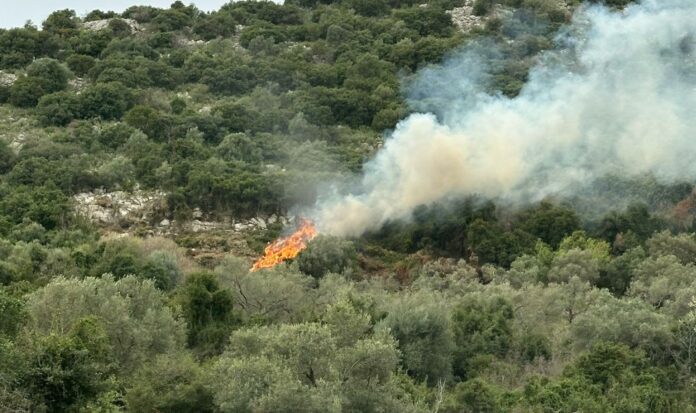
(118, 208)
(97, 25)
(464, 18)
(78, 83)
(7, 79)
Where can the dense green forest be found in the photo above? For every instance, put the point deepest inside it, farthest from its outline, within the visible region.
(245, 113)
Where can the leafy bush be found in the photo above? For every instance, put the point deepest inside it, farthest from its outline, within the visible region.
(105, 100)
(328, 255)
(80, 64)
(57, 109)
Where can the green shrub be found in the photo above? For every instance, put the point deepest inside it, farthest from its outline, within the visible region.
(327, 254)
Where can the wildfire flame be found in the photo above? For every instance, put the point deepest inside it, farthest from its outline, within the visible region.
(288, 247)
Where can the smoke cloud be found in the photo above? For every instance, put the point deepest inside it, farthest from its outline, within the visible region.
(618, 96)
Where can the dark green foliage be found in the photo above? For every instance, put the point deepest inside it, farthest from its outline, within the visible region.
(105, 100)
(41, 166)
(26, 92)
(5, 93)
(534, 346)
(80, 64)
(425, 339)
(431, 20)
(605, 363)
(171, 20)
(162, 269)
(62, 23)
(442, 228)
(153, 123)
(51, 73)
(178, 105)
(7, 157)
(29, 231)
(490, 243)
(235, 116)
(119, 28)
(462, 229)
(65, 372)
(473, 396)
(267, 11)
(97, 14)
(43, 204)
(7, 273)
(482, 7)
(43, 76)
(368, 7)
(118, 259)
(215, 24)
(89, 43)
(610, 377)
(129, 47)
(19, 46)
(115, 135)
(141, 14)
(218, 186)
(480, 329)
(615, 3)
(617, 276)
(565, 395)
(636, 219)
(327, 255)
(549, 222)
(134, 71)
(57, 109)
(231, 80)
(170, 384)
(12, 313)
(208, 312)
(121, 265)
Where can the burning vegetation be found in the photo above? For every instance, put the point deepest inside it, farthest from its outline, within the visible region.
(287, 248)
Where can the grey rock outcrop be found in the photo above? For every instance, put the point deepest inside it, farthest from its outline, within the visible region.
(119, 208)
(7, 79)
(146, 209)
(464, 18)
(97, 25)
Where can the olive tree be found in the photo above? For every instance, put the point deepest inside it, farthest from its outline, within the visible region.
(421, 325)
(138, 323)
(281, 294)
(303, 367)
(574, 263)
(682, 246)
(327, 254)
(665, 283)
(169, 383)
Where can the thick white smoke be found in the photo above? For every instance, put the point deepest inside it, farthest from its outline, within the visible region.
(619, 97)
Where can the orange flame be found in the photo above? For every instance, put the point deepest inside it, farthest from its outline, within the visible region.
(287, 248)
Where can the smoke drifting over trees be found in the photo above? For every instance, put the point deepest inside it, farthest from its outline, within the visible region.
(616, 97)
(148, 158)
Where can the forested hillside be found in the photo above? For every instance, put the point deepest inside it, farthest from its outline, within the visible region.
(146, 159)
